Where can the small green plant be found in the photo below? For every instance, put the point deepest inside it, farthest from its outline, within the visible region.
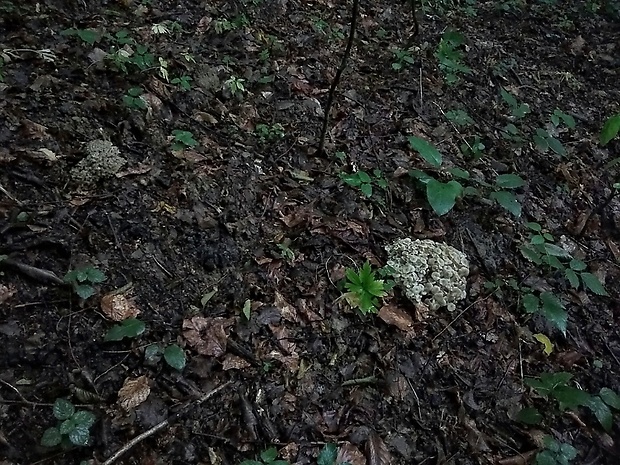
(121, 37)
(450, 57)
(73, 426)
(183, 82)
(267, 457)
(285, 250)
(235, 85)
(133, 100)
(558, 117)
(401, 59)
(555, 453)
(226, 25)
(364, 289)
(548, 305)
(328, 456)
(610, 129)
(365, 181)
(129, 328)
(82, 280)
(545, 141)
(459, 118)
(88, 36)
(473, 148)
(269, 132)
(183, 140)
(173, 355)
(518, 110)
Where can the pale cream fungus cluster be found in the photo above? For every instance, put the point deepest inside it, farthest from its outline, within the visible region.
(429, 272)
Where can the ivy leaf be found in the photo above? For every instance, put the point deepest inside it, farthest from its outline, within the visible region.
(601, 411)
(610, 129)
(442, 196)
(529, 416)
(132, 327)
(426, 150)
(553, 310)
(63, 409)
(509, 181)
(591, 282)
(175, 357)
(508, 201)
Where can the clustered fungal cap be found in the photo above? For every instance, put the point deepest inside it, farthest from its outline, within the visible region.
(429, 272)
(102, 161)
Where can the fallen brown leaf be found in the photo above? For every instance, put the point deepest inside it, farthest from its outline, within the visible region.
(118, 308)
(207, 336)
(134, 392)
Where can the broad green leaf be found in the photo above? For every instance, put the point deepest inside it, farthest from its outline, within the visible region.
(556, 146)
(572, 277)
(67, 426)
(610, 129)
(544, 340)
(95, 276)
(539, 386)
(426, 150)
(553, 262)
(531, 254)
(577, 265)
(553, 310)
(546, 457)
(175, 357)
(509, 181)
(610, 398)
(459, 173)
(529, 416)
(51, 437)
(84, 291)
(132, 327)
(601, 411)
(251, 462)
(591, 282)
(420, 176)
(269, 455)
(556, 251)
(363, 176)
(568, 452)
(84, 418)
(531, 303)
(560, 378)
(63, 409)
(442, 196)
(570, 397)
(366, 189)
(328, 455)
(537, 240)
(508, 201)
(541, 143)
(79, 436)
(533, 226)
(88, 35)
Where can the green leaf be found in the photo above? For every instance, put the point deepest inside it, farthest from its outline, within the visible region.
(570, 397)
(79, 436)
(531, 254)
(577, 265)
(572, 277)
(363, 176)
(442, 196)
(95, 276)
(247, 309)
(459, 173)
(610, 129)
(420, 176)
(67, 426)
(84, 418)
(610, 398)
(553, 310)
(556, 146)
(353, 277)
(531, 303)
(533, 226)
(509, 181)
(508, 98)
(426, 150)
(541, 143)
(366, 189)
(269, 455)
(63, 409)
(84, 291)
(251, 462)
(591, 282)
(508, 201)
(175, 357)
(88, 35)
(529, 416)
(51, 437)
(601, 411)
(132, 327)
(556, 251)
(328, 455)
(546, 457)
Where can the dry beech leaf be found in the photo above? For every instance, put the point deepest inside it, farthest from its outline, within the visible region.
(232, 362)
(395, 316)
(287, 311)
(376, 450)
(207, 336)
(118, 308)
(134, 392)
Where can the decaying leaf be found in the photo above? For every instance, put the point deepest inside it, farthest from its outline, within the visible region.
(376, 450)
(233, 362)
(396, 316)
(287, 311)
(349, 453)
(134, 392)
(207, 336)
(118, 308)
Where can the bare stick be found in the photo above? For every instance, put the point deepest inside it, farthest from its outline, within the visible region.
(150, 432)
(341, 68)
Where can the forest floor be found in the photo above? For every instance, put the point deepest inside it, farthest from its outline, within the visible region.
(209, 240)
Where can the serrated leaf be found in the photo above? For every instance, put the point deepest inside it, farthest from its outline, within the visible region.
(591, 282)
(132, 327)
(63, 409)
(67, 426)
(531, 303)
(426, 150)
(610, 397)
(328, 455)
(79, 436)
(95, 276)
(610, 129)
(509, 181)
(51, 437)
(572, 277)
(175, 357)
(546, 457)
(442, 196)
(508, 201)
(601, 411)
(544, 340)
(553, 310)
(84, 418)
(556, 251)
(529, 416)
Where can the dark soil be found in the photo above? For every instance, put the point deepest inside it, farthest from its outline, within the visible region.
(193, 237)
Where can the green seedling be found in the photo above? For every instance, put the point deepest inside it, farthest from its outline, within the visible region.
(173, 355)
(459, 118)
(88, 36)
(450, 57)
(183, 140)
(328, 456)
(285, 250)
(166, 27)
(225, 25)
(545, 141)
(269, 132)
(517, 109)
(235, 85)
(365, 181)
(610, 129)
(364, 289)
(133, 100)
(129, 328)
(267, 457)
(555, 453)
(319, 25)
(82, 280)
(183, 82)
(548, 305)
(401, 59)
(142, 58)
(558, 117)
(473, 148)
(121, 37)
(73, 426)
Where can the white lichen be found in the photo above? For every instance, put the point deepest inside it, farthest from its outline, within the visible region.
(429, 272)
(102, 161)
